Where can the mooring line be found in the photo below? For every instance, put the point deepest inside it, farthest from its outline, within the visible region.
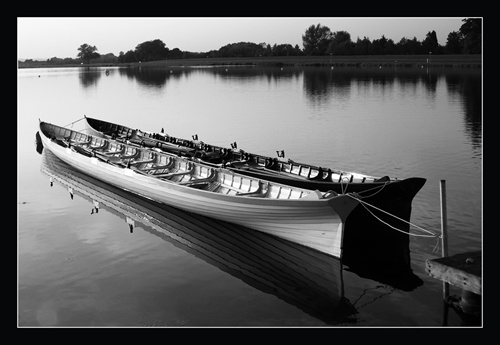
(365, 204)
(344, 190)
(377, 191)
(75, 121)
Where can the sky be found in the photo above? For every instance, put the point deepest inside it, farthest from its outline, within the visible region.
(46, 37)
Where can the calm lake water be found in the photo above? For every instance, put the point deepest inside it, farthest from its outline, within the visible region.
(78, 267)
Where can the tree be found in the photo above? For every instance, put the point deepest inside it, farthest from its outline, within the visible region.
(453, 44)
(88, 52)
(284, 50)
(379, 46)
(316, 39)
(244, 49)
(362, 46)
(298, 51)
(407, 46)
(430, 43)
(175, 53)
(127, 57)
(151, 51)
(340, 44)
(470, 32)
(107, 58)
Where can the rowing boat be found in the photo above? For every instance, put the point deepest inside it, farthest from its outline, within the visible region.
(308, 217)
(288, 172)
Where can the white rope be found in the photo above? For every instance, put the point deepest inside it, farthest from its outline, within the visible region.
(344, 190)
(74, 121)
(376, 192)
(365, 204)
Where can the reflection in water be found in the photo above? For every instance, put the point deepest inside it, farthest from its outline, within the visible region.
(154, 77)
(467, 89)
(90, 78)
(301, 277)
(246, 74)
(157, 77)
(321, 87)
(430, 82)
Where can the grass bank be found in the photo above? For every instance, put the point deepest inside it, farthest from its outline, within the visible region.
(45, 64)
(473, 61)
(457, 61)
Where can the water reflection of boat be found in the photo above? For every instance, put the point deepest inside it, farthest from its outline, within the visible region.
(300, 276)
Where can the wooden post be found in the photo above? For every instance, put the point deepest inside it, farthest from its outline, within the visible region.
(444, 233)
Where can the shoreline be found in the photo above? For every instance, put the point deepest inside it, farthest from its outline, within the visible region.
(416, 61)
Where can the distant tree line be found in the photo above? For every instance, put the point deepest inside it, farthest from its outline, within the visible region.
(320, 40)
(317, 40)
(102, 59)
(156, 50)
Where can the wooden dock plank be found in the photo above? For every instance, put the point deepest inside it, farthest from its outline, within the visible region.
(460, 270)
